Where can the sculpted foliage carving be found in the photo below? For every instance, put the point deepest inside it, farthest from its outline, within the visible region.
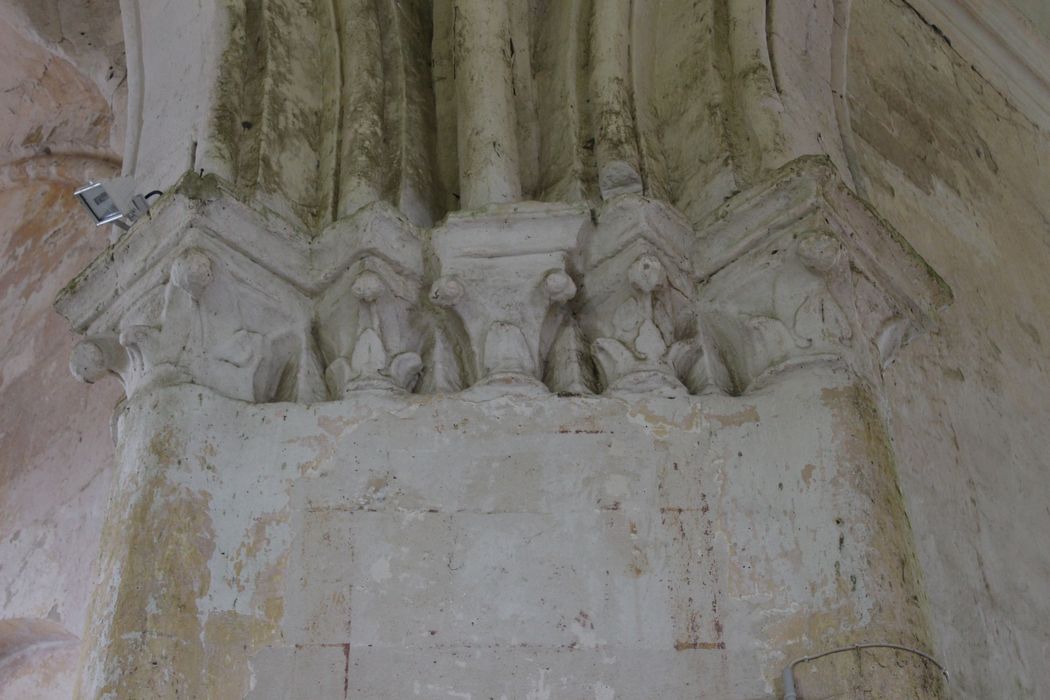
(777, 308)
(371, 333)
(520, 298)
(638, 308)
(800, 272)
(505, 283)
(209, 325)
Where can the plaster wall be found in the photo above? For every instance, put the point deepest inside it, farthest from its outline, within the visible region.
(55, 448)
(55, 445)
(965, 178)
(1035, 11)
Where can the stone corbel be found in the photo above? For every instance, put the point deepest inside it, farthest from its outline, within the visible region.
(177, 301)
(798, 271)
(504, 275)
(369, 326)
(637, 306)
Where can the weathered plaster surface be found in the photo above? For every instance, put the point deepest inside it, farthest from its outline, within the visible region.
(36, 659)
(85, 33)
(1036, 12)
(965, 178)
(50, 108)
(55, 451)
(547, 547)
(41, 672)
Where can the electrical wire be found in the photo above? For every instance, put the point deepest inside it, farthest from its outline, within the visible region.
(789, 670)
(154, 193)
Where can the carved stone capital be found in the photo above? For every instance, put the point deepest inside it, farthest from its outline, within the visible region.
(504, 276)
(209, 290)
(369, 326)
(637, 305)
(798, 270)
(187, 296)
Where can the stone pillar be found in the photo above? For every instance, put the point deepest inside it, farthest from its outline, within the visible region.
(488, 144)
(799, 277)
(541, 449)
(729, 503)
(616, 146)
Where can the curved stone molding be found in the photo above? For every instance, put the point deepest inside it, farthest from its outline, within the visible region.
(787, 71)
(615, 130)
(798, 271)
(1003, 46)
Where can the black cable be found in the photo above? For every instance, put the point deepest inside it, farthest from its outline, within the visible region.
(154, 193)
(789, 671)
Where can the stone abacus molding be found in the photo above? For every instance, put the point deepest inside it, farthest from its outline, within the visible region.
(1002, 45)
(513, 298)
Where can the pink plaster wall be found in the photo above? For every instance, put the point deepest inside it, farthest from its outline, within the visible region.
(55, 445)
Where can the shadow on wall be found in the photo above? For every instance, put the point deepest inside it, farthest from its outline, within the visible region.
(38, 660)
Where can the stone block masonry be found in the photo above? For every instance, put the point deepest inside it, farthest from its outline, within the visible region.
(517, 547)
